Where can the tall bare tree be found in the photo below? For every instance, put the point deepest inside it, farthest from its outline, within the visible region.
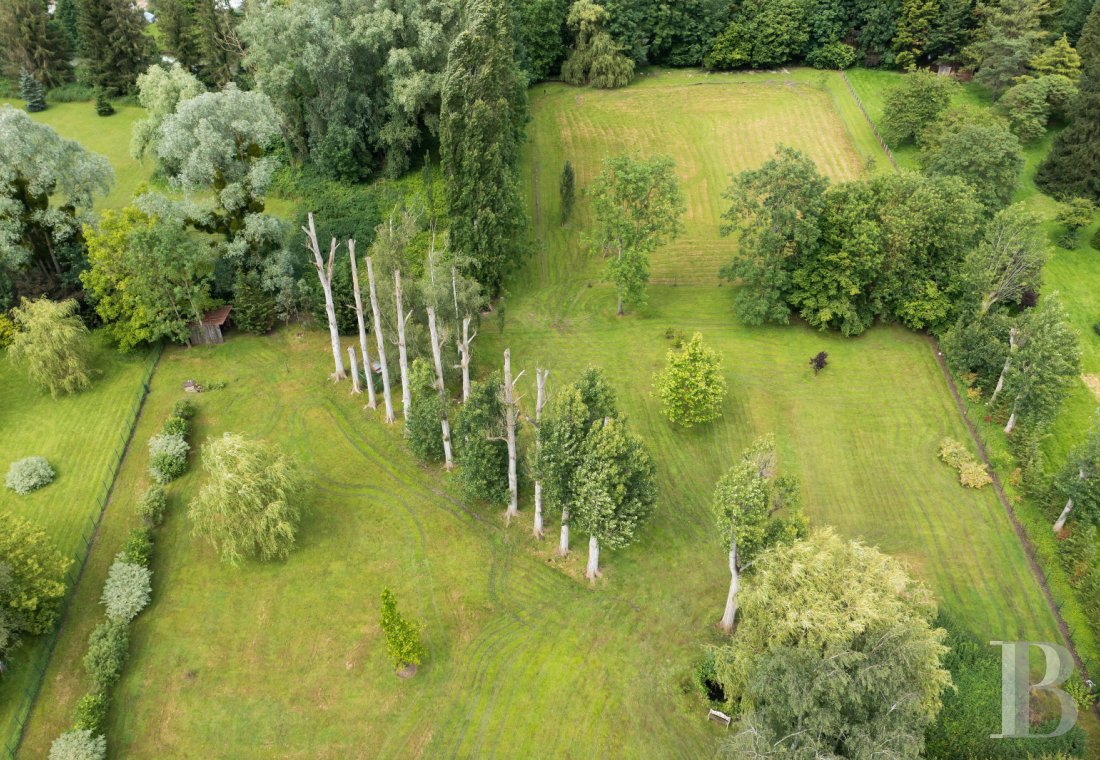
(402, 350)
(377, 313)
(511, 415)
(464, 354)
(540, 402)
(445, 424)
(367, 371)
(354, 371)
(324, 273)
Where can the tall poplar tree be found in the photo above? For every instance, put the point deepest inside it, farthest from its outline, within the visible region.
(481, 121)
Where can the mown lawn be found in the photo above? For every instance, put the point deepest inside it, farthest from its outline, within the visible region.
(526, 659)
(81, 436)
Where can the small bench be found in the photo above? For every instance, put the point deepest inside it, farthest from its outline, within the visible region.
(720, 717)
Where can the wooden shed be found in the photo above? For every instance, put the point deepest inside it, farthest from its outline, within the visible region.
(209, 331)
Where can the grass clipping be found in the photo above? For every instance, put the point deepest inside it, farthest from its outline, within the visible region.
(972, 473)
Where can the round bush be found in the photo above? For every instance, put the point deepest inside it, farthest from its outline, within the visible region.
(138, 549)
(28, 475)
(167, 457)
(108, 646)
(78, 745)
(127, 590)
(176, 426)
(835, 55)
(184, 409)
(152, 505)
(91, 712)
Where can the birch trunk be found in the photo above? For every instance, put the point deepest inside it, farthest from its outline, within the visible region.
(368, 371)
(593, 570)
(402, 351)
(1011, 421)
(1008, 363)
(510, 423)
(354, 370)
(377, 314)
(444, 424)
(1061, 521)
(325, 275)
(618, 288)
(731, 599)
(540, 401)
(464, 353)
(563, 541)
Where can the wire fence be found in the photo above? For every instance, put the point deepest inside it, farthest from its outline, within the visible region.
(106, 485)
(874, 128)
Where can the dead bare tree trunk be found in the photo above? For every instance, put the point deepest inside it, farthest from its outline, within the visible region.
(618, 289)
(325, 275)
(402, 351)
(731, 599)
(510, 415)
(381, 342)
(464, 353)
(593, 570)
(444, 424)
(368, 372)
(1011, 421)
(540, 402)
(1008, 363)
(354, 370)
(1061, 521)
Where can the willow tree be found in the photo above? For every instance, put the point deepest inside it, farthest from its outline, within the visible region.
(597, 60)
(52, 345)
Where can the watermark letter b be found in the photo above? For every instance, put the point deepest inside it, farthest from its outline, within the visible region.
(1016, 688)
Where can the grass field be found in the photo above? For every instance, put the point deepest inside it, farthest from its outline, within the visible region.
(81, 436)
(525, 660)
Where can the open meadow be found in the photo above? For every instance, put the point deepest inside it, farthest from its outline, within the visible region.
(525, 658)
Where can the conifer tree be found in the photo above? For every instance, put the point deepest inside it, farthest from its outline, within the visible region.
(567, 190)
(403, 642)
(1073, 166)
(30, 89)
(30, 39)
(114, 44)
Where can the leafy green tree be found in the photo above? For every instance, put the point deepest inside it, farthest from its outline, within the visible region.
(922, 97)
(692, 387)
(1072, 18)
(596, 59)
(755, 509)
(567, 191)
(1011, 36)
(254, 309)
(836, 655)
(1009, 260)
(1079, 481)
(108, 647)
(160, 91)
(616, 489)
(915, 25)
(480, 446)
(637, 204)
(1074, 215)
(422, 423)
(776, 212)
(251, 504)
(761, 34)
(1038, 375)
(47, 188)
(540, 26)
(403, 643)
(52, 345)
(483, 111)
(34, 585)
(148, 277)
(1031, 104)
(127, 590)
(1072, 168)
(114, 44)
(30, 90)
(1057, 59)
(989, 158)
(201, 35)
(30, 40)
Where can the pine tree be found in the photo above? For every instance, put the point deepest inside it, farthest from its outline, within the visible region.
(114, 44)
(484, 106)
(253, 308)
(30, 39)
(1059, 58)
(403, 642)
(1073, 166)
(103, 105)
(67, 16)
(30, 89)
(1011, 36)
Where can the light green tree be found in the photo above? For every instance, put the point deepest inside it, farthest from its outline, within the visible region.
(1058, 59)
(35, 578)
(691, 387)
(1009, 260)
(836, 648)
(160, 91)
(988, 157)
(596, 60)
(637, 204)
(52, 345)
(403, 642)
(1074, 215)
(919, 101)
(251, 504)
(754, 509)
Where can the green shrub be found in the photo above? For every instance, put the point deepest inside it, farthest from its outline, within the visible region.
(78, 745)
(973, 474)
(7, 331)
(953, 453)
(167, 457)
(705, 675)
(1096, 328)
(138, 549)
(29, 474)
(103, 106)
(422, 428)
(108, 647)
(152, 505)
(176, 426)
(127, 590)
(72, 92)
(91, 712)
(184, 409)
(1094, 241)
(254, 310)
(835, 55)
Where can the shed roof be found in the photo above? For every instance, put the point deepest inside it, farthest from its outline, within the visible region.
(216, 317)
